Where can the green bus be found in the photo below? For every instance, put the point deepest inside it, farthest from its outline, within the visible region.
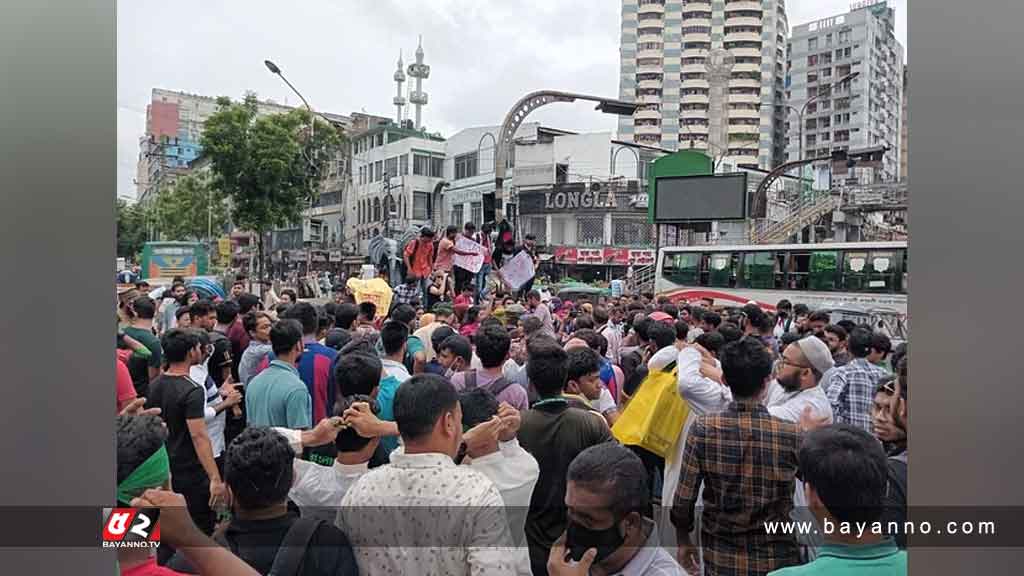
(170, 259)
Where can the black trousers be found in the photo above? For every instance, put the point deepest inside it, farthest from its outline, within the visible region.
(463, 278)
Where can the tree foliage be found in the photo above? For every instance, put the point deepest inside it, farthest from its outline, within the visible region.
(186, 210)
(268, 166)
(132, 228)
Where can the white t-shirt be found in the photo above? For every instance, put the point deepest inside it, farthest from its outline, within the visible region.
(215, 422)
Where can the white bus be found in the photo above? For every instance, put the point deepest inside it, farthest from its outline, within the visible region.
(864, 281)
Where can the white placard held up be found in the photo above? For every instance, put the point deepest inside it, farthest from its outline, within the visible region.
(471, 263)
(518, 270)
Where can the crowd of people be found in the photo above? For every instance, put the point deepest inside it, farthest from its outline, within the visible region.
(470, 430)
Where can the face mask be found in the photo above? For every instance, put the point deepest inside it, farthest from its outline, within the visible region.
(579, 539)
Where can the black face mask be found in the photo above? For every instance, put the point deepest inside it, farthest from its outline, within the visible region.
(579, 539)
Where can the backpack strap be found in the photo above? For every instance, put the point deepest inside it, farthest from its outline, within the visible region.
(469, 380)
(499, 385)
(293, 548)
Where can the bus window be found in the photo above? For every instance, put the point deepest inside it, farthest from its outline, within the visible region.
(720, 270)
(822, 273)
(799, 265)
(779, 271)
(904, 286)
(854, 271)
(881, 270)
(681, 268)
(759, 270)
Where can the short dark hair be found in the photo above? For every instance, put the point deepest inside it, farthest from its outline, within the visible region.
(227, 311)
(478, 406)
(837, 330)
(348, 440)
(345, 314)
(247, 302)
(250, 320)
(670, 309)
(393, 336)
(784, 305)
(368, 310)
(859, 342)
(848, 325)
(492, 345)
(712, 319)
(800, 309)
(403, 313)
(259, 468)
(546, 366)
(439, 335)
(819, 316)
(307, 316)
(138, 438)
(532, 324)
(616, 471)
(730, 332)
(661, 334)
(881, 343)
(176, 343)
(181, 311)
(459, 346)
(746, 365)
(202, 308)
(584, 322)
(847, 469)
(290, 294)
(711, 341)
(642, 327)
(284, 335)
(357, 373)
(530, 237)
(589, 336)
(452, 229)
(420, 401)
(580, 362)
(600, 315)
(788, 338)
(533, 294)
(144, 307)
(682, 328)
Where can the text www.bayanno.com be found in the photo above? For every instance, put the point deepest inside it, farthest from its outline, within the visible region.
(860, 529)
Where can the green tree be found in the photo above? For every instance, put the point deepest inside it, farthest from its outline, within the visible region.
(191, 209)
(269, 167)
(132, 228)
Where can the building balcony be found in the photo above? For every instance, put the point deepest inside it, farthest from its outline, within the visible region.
(746, 98)
(642, 114)
(697, 52)
(745, 82)
(743, 112)
(697, 37)
(737, 5)
(646, 129)
(753, 52)
(693, 5)
(694, 99)
(743, 21)
(648, 99)
(652, 53)
(685, 114)
(694, 68)
(649, 36)
(744, 129)
(742, 37)
(746, 67)
(649, 84)
(695, 83)
(694, 128)
(696, 21)
(651, 8)
(650, 68)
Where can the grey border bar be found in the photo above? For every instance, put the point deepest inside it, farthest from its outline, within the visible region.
(966, 133)
(57, 161)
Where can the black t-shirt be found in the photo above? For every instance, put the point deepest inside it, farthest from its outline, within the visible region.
(554, 434)
(220, 358)
(179, 399)
(257, 541)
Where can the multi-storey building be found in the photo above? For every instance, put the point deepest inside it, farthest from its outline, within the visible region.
(392, 166)
(666, 48)
(862, 112)
(905, 125)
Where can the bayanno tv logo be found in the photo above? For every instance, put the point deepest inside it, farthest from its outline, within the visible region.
(131, 528)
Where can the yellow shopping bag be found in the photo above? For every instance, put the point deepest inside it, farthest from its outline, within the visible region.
(654, 415)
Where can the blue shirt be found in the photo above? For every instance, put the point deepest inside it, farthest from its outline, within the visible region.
(278, 397)
(393, 375)
(316, 369)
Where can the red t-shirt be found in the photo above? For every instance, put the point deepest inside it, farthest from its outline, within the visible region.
(420, 254)
(149, 568)
(125, 388)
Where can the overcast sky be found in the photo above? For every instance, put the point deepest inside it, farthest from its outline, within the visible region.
(483, 54)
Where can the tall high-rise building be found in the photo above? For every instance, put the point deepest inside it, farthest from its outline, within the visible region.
(863, 112)
(905, 128)
(671, 49)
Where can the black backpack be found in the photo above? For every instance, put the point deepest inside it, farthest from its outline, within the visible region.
(291, 553)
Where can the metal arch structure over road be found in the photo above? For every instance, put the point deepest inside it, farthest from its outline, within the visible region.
(517, 115)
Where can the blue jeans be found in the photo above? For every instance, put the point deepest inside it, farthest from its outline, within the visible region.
(425, 290)
(481, 281)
